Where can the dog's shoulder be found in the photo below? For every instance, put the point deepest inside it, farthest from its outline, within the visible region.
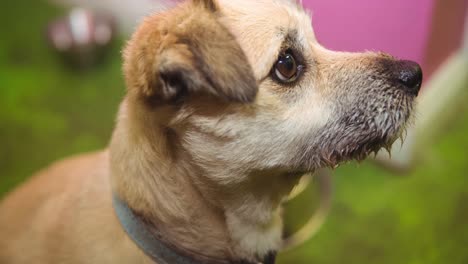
(55, 207)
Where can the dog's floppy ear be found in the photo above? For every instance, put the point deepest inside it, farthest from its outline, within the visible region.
(188, 51)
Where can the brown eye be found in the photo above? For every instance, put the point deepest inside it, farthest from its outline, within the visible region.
(286, 68)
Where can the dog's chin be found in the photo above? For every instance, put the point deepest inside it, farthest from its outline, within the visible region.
(346, 140)
(359, 152)
(362, 143)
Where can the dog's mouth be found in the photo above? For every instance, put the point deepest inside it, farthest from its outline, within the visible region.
(382, 132)
(361, 135)
(357, 135)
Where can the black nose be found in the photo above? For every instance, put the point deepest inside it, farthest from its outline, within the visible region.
(410, 76)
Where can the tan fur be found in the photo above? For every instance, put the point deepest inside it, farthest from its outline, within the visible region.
(207, 145)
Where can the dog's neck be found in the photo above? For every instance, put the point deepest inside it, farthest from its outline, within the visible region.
(163, 187)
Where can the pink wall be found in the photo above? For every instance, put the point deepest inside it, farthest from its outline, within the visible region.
(399, 27)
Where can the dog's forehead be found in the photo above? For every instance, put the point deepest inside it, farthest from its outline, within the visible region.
(262, 27)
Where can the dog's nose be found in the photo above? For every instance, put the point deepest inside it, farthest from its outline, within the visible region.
(410, 76)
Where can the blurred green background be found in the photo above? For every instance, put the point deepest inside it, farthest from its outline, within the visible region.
(49, 111)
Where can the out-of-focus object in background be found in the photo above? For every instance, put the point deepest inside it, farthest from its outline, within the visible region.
(128, 13)
(317, 192)
(82, 37)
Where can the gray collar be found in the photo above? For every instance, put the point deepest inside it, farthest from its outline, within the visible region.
(152, 244)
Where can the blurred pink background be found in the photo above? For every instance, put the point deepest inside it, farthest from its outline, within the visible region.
(426, 31)
(399, 27)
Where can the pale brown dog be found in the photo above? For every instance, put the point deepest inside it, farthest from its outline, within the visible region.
(228, 104)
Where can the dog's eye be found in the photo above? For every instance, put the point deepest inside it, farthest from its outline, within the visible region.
(286, 69)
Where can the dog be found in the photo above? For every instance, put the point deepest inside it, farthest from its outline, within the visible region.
(228, 104)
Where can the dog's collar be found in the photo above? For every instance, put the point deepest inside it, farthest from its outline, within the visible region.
(153, 246)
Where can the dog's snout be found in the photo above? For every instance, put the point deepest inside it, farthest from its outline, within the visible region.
(409, 75)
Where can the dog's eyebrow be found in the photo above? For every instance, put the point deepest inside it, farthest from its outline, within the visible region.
(291, 40)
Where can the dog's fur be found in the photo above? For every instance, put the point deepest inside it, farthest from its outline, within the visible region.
(207, 143)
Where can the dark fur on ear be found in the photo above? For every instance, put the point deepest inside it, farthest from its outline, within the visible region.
(188, 51)
(208, 4)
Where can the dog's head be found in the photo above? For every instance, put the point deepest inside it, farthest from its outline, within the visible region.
(247, 96)
(249, 88)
